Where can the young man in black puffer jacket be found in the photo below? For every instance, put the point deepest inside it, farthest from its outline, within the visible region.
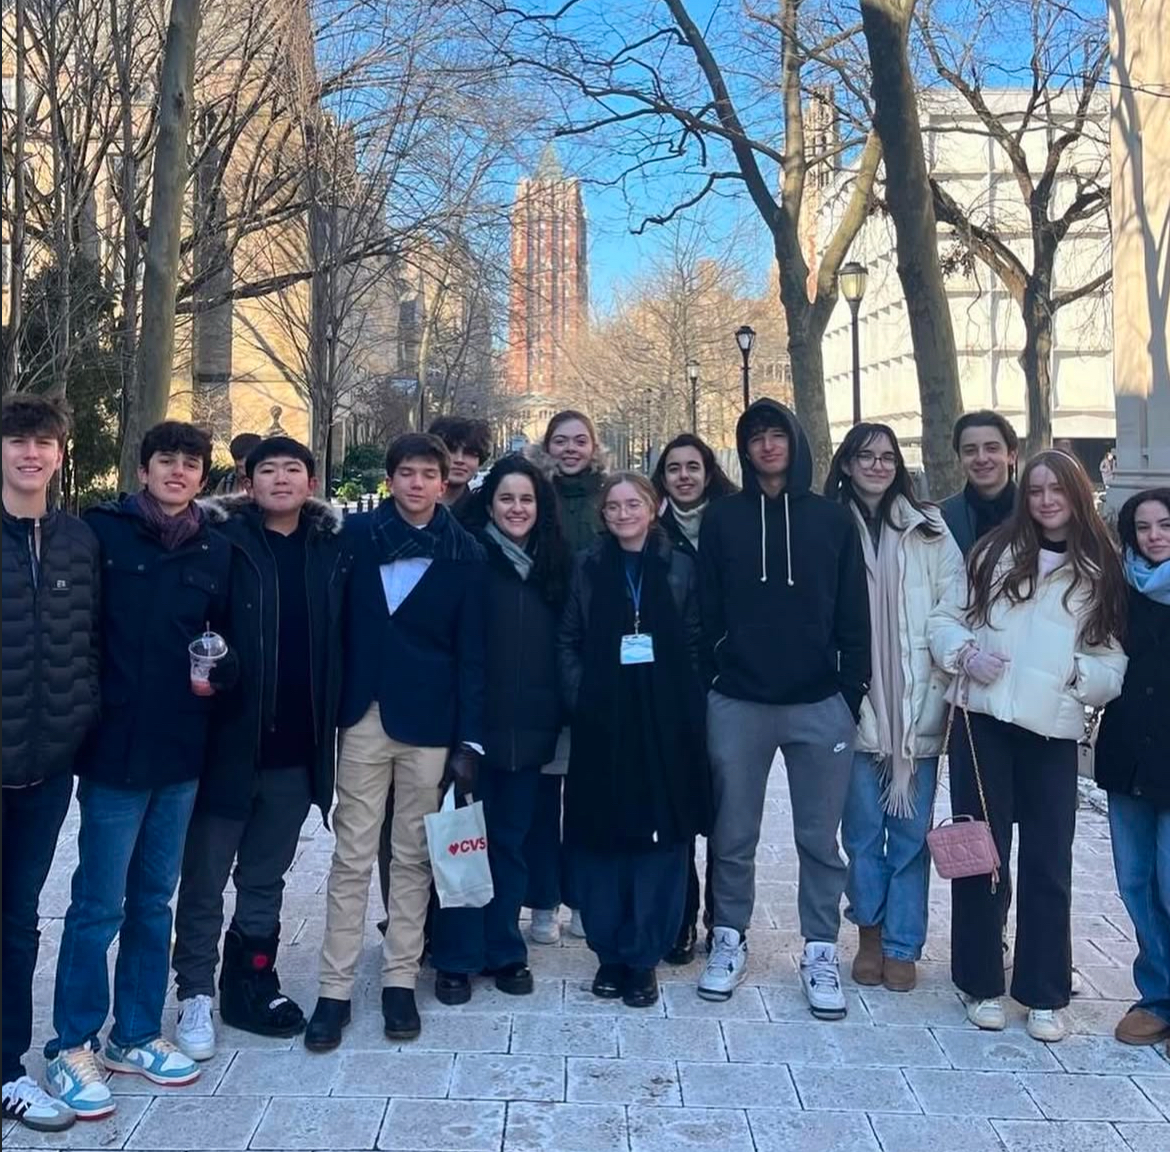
(50, 699)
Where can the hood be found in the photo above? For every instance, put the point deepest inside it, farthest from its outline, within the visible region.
(319, 515)
(799, 479)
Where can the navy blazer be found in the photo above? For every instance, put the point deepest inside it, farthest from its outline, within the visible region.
(424, 666)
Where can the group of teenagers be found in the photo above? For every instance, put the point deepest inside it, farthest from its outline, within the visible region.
(610, 663)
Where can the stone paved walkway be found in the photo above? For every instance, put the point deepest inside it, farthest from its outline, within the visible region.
(562, 1072)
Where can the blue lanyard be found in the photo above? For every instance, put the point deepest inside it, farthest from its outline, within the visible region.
(636, 596)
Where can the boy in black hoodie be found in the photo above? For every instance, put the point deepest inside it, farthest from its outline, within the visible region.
(786, 619)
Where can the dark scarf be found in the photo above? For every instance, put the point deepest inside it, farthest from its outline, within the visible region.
(579, 496)
(173, 531)
(441, 539)
(638, 763)
(991, 513)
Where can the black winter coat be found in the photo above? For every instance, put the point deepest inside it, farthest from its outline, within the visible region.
(522, 707)
(638, 772)
(50, 645)
(239, 717)
(153, 728)
(1133, 745)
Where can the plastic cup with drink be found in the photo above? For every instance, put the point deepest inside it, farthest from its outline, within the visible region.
(205, 651)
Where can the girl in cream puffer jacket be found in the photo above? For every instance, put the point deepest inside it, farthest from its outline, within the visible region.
(1036, 644)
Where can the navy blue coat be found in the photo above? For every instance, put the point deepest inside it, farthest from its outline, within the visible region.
(153, 728)
(424, 666)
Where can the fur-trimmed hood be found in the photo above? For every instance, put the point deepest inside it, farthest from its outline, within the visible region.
(536, 454)
(321, 516)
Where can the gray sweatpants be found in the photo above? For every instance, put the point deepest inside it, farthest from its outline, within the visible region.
(817, 742)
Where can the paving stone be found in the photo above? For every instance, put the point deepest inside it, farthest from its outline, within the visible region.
(381, 1074)
(1112, 983)
(1145, 1137)
(822, 1043)
(623, 1082)
(442, 1126)
(917, 1008)
(775, 1130)
(191, 1122)
(565, 1128)
(1104, 1054)
(655, 1129)
(547, 996)
(934, 1133)
(681, 1000)
(1157, 1089)
(211, 1073)
(1009, 1051)
(1069, 1096)
(1066, 1136)
(462, 1032)
(296, 1073)
(965, 1093)
(112, 1132)
(482, 1076)
(788, 1003)
(737, 1086)
(854, 1089)
(670, 1039)
(319, 1123)
(579, 1000)
(565, 1035)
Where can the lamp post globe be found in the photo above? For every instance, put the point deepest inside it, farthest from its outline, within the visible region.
(851, 279)
(745, 337)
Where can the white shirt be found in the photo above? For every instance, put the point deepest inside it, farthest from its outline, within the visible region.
(400, 578)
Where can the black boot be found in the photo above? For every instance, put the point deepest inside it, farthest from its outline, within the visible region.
(400, 1014)
(609, 981)
(324, 1031)
(641, 988)
(683, 951)
(452, 988)
(249, 989)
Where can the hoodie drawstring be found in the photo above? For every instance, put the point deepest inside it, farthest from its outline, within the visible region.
(764, 540)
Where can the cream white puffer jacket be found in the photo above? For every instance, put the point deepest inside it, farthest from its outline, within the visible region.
(930, 571)
(1052, 676)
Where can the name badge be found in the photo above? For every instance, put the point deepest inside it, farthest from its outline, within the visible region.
(638, 648)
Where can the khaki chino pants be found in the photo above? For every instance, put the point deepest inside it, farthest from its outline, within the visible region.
(370, 763)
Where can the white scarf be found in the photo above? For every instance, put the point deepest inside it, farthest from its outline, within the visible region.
(689, 521)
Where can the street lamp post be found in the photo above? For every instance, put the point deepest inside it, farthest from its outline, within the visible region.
(745, 336)
(649, 396)
(852, 278)
(693, 380)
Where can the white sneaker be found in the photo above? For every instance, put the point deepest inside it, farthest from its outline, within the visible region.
(726, 966)
(1078, 984)
(576, 928)
(195, 1031)
(77, 1079)
(25, 1100)
(546, 925)
(1046, 1025)
(820, 973)
(986, 1014)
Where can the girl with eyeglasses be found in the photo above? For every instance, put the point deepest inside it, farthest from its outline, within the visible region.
(913, 566)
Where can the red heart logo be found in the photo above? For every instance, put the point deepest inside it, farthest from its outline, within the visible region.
(453, 848)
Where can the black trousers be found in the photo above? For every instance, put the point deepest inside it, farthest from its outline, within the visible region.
(32, 822)
(631, 902)
(1032, 781)
(262, 847)
(691, 910)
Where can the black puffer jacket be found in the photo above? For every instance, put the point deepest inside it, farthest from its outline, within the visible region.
(522, 707)
(234, 742)
(1133, 746)
(50, 646)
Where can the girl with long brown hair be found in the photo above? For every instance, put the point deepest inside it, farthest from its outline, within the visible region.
(1038, 642)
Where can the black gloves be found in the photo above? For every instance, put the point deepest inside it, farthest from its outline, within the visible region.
(462, 770)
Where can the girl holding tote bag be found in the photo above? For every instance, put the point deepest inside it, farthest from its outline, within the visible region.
(1037, 643)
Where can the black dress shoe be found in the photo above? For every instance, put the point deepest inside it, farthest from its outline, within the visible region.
(323, 1032)
(683, 951)
(514, 979)
(452, 988)
(641, 989)
(609, 981)
(399, 1014)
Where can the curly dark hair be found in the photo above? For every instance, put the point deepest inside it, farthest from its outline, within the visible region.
(474, 436)
(31, 414)
(718, 483)
(1092, 555)
(1126, 528)
(551, 558)
(176, 436)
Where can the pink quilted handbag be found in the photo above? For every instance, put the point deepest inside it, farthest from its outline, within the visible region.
(961, 845)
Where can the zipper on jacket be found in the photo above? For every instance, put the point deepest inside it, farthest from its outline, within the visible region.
(519, 653)
(276, 637)
(35, 574)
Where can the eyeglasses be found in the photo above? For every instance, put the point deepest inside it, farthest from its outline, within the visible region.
(630, 508)
(869, 459)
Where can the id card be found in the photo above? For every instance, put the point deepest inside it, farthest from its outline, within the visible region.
(638, 648)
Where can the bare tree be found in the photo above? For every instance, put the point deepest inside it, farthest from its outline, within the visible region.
(1054, 138)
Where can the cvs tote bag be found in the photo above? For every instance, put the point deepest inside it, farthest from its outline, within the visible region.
(457, 845)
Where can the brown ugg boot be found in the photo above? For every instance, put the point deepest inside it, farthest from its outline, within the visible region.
(898, 975)
(1139, 1026)
(867, 964)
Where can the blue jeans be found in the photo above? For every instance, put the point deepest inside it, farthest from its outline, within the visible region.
(549, 872)
(1141, 857)
(889, 866)
(129, 853)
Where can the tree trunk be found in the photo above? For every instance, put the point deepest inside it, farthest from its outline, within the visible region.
(156, 352)
(807, 363)
(16, 227)
(1036, 361)
(910, 200)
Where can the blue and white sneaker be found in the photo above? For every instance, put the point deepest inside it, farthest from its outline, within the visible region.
(77, 1079)
(158, 1060)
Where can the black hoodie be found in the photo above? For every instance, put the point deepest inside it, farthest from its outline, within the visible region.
(782, 585)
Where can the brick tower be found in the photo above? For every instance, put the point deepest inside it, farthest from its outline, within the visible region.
(549, 301)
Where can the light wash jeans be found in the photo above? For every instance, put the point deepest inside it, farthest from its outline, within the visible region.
(889, 866)
(1141, 857)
